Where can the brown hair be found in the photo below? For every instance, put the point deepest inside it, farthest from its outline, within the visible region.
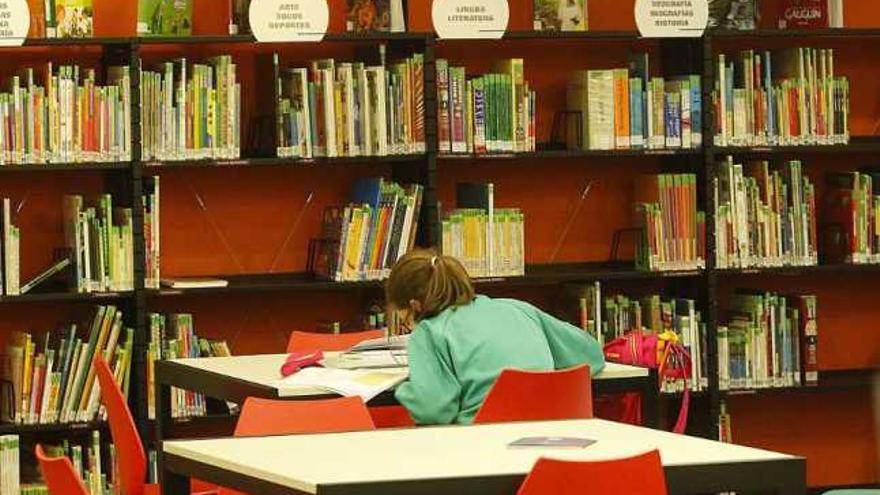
(437, 282)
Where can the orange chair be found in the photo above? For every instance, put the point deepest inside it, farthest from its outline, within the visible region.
(383, 416)
(130, 456)
(639, 475)
(59, 475)
(329, 342)
(260, 417)
(538, 396)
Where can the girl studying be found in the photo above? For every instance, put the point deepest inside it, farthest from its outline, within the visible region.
(461, 341)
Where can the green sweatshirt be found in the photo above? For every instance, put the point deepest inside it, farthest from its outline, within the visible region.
(455, 357)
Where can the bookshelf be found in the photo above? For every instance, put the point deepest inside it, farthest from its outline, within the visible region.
(257, 191)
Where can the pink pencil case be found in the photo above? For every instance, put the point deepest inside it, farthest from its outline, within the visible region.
(299, 360)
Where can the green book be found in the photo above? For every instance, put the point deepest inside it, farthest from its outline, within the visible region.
(164, 18)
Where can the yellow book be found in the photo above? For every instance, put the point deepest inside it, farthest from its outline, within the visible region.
(339, 114)
(355, 227)
(24, 341)
(107, 323)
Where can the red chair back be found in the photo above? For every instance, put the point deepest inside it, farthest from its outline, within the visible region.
(639, 475)
(130, 456)
(538, 396)
(59, 475)
(261, 417)
(329, 342)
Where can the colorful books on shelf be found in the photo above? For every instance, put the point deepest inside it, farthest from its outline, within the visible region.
(53, 377)
(626, 108)
(764, 216)
(164, 17)
(769, 341)
(173, 336)
(850, 217)
(489, 241)
(787, 98)
(672, 231)
(151, 207)
(94, 464)
(191, 111)
(560, 15)
(492, 113)
(612, 316)
(343, 109)
(99, 240)
(61, 114)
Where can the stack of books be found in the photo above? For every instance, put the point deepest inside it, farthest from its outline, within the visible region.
(60, 114)
(191, 111)
(673, 231)
(489, 241)
(9, 465)
(626, 108)
(611, 317)
(852, 203)
(172, 337)
(764, 217)
(770, 341)
(342, 109)
(792, 98)
(492, 113)
(363, 240)
(53, 378)
(99, 240)
(150, 206)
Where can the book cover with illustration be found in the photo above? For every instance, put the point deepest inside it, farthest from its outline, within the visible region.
(561, 15)
(164, 17)
(240, 12)
(369, 15)
(73, 18)
(733, 14)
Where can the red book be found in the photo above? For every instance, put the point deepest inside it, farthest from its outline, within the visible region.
(809, 340)
(803, 14)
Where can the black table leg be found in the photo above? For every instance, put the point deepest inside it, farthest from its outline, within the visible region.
(650, 391)
(171, 483)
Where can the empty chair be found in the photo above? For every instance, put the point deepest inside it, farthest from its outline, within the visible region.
(59, 475)
(538, 396)
(383, 416)
(329, 342)
(639, 475)
(260, 417)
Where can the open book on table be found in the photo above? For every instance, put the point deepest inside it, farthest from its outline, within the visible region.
(366, 383)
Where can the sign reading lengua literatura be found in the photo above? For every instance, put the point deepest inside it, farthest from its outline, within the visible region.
(672, 18)
(469, 19)
(279, 21)
(15, 20)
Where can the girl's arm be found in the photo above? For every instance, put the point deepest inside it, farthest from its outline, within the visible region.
(569, 345)
(432, 392)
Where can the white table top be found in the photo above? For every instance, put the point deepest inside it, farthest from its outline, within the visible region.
(304, 462)
(264, 369)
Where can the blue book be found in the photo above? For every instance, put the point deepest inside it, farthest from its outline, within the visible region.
(636, 113)
(367, 191)
(696, 111)
(672, 114)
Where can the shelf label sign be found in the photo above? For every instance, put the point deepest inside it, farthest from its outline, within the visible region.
(672, 18)
(15, 20)
(284, 21)
(470, 19)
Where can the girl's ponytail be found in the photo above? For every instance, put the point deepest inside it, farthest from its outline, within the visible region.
(437, 282)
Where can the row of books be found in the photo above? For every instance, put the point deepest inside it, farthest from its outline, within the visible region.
(489, 241)
(672, 230)
(492, 113)
(770, 340)
(10, 474)
(151, 208)
(350, 109)
(94, 464)
(850, 214)
(53, 377)
(794, 100)
(608, 317)
(191, 111)
(764, 217)
(61, 114)
(626, 108)
(363, 240)
(173, 336)
(100, 242)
